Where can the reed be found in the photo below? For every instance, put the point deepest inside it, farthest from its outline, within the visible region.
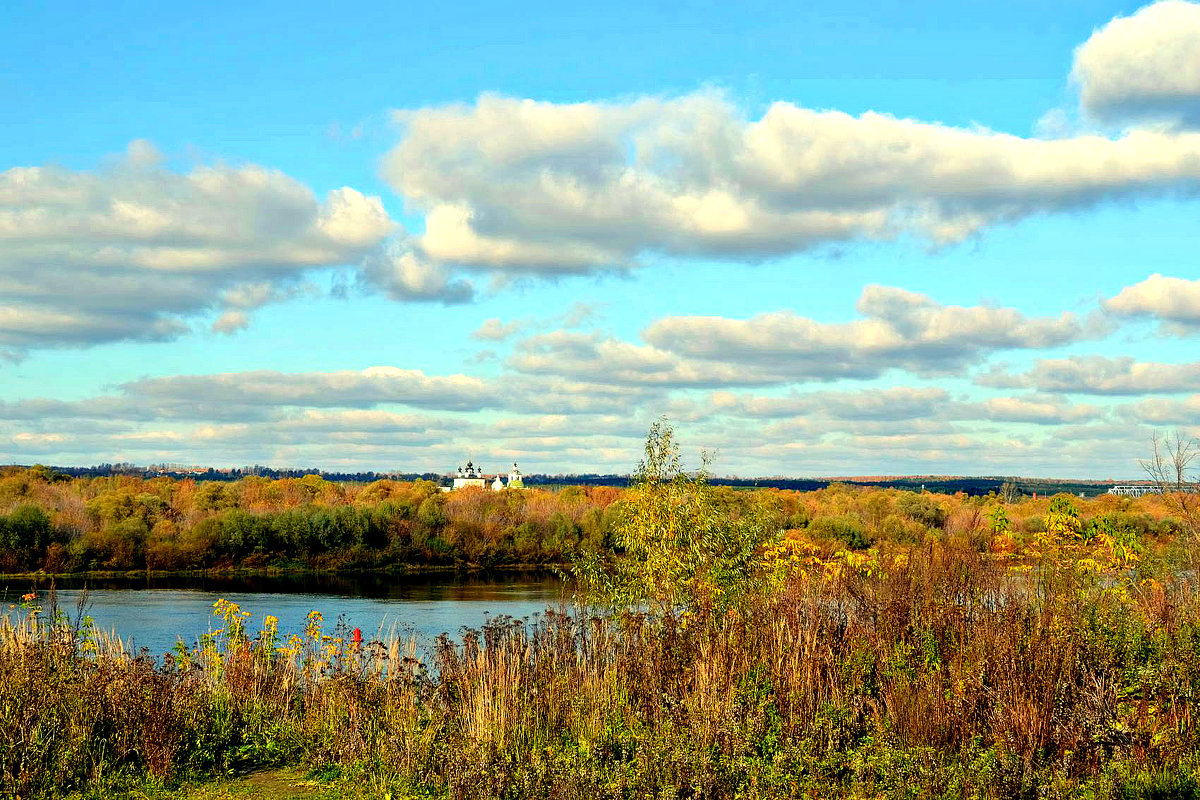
(944, 673)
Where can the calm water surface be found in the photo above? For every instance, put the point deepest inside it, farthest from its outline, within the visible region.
(155, 613)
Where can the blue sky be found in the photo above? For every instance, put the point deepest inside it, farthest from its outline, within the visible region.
(835, 239)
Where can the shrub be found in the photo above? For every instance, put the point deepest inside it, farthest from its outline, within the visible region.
(922, 508)
(848, 530)
(26, 532)
(432, 513)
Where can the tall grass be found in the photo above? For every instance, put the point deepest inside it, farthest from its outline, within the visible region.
(939, 675)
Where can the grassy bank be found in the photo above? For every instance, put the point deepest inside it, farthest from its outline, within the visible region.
(940, 676)
(41, 577)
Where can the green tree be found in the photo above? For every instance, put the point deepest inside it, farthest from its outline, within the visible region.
(26, 532)
(922, 508)
(675, 548)
(432, 513)
(1063, 518)
(998, 519)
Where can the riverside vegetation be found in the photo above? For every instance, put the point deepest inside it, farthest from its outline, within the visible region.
(852, 643)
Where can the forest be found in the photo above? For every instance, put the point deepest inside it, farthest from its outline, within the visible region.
(57, 524)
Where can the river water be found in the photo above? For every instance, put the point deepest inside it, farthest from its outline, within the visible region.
(156, 613)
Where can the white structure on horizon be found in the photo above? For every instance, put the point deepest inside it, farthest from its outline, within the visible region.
(472, 475)
(469, 475)
(1135, 490)
(514, 478)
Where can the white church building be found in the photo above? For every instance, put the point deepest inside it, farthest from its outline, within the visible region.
(471, 475)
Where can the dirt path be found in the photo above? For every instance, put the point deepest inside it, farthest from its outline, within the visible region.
(280, 784)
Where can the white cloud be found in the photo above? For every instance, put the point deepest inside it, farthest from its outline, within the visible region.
(579, 395)
(578, 315)
(1038, 410)
(1144, 67)
(519, 185)
(1100, 375)
(893, 403)
(594, 358)
(407, 275)
(231, 322)
(1173, 301)
(340, 419)
(129, 251)
(901, 330)
(494, 330)
(892, 409)
(352, 389)
(1165, 411)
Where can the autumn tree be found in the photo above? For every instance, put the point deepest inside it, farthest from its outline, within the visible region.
(675, 548)
(1062, 519)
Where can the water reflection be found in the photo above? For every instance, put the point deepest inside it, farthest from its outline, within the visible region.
(154, 613)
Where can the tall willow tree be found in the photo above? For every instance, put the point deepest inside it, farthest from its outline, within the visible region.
(676, 549)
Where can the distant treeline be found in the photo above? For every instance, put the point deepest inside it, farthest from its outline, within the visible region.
(59, 524)
(131, 523)
(945, 484)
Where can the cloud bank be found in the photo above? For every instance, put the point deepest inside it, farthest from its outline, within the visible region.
(511, 186)
(131, 251)
(524, 186)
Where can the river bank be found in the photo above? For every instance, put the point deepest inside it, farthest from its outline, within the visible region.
(153, 615)
(233, 573)
(920, 685)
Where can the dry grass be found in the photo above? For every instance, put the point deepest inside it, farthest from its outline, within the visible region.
(943, 670)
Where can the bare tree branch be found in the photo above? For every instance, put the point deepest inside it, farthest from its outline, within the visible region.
(1170, 468)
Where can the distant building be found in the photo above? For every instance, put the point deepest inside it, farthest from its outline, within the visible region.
(471, 475)
(514, 478)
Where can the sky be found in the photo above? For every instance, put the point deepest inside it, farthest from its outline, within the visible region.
(820, 239)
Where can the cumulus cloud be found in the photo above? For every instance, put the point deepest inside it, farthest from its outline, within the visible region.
(519, 185)
(595, 358)
(1173, 301)
(1165, 411)
(893, 403)
(1144, 67)
(131, 408)
(337, 419)
(1038, 410)
(895, 408)
(239, 300)
(494, 330)
(129, 251)
(405, 274)
(1100, 375)
(566, 426)
(900, 329)
(327, 438)
(349, 388)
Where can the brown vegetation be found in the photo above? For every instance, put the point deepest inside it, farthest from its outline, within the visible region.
(127, 523)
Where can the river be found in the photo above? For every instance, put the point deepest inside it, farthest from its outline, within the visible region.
(153, 614)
